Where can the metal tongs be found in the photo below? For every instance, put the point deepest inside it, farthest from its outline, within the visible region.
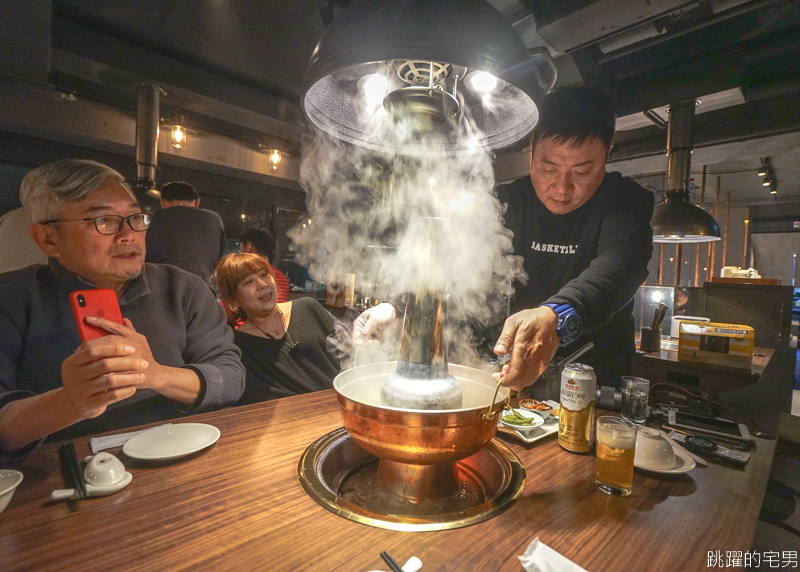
(559, 367)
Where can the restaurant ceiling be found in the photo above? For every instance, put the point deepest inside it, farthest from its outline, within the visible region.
(262, 44)
(267, 45)
(252, 56)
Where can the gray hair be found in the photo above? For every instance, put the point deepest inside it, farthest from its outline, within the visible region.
(47, 189)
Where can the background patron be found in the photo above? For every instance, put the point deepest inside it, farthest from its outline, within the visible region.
(183, 234)
(257, 240)
(284, 346)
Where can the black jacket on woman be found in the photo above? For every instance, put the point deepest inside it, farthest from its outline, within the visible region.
(297, 363)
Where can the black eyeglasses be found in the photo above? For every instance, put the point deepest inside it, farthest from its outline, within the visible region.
(112, 224)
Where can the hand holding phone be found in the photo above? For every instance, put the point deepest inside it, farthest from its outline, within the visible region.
(101, 303)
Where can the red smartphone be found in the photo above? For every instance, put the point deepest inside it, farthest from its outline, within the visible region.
(101, 303)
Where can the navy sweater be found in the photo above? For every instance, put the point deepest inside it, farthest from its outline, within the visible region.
(594, 258)
(176, 312)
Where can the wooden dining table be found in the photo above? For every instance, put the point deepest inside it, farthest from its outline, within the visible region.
(239, 505)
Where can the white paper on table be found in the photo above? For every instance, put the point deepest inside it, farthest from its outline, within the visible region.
(413, 564)
(98, 444)
(539, 557)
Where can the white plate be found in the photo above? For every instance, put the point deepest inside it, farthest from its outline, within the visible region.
(537, 421)
(547, 428)
(685, 464)
(171, 441)
(534, 435)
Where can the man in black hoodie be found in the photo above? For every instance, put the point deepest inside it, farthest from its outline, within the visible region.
(586, 238)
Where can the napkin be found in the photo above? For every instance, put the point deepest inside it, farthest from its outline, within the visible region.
(98, 444)
(539, 557)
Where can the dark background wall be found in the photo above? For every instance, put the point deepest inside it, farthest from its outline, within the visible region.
(229, 196)
(775, 218)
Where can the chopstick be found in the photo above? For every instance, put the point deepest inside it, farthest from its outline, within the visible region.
(393, 566)
(72, 469)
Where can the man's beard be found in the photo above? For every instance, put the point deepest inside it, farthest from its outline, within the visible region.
(132, 275)
(120, 249)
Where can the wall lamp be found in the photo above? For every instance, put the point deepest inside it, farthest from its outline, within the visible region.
(275, 159)
(275, 155)
(179, 133)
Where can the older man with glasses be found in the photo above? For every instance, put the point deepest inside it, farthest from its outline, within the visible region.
(174, 354)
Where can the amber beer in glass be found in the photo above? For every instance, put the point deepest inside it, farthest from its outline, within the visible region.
(616, 446)
(576, 416)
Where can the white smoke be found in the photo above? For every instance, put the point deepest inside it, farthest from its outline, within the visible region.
(367, 209)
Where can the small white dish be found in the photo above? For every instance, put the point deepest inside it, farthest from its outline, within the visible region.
(171, 441)
(533, 435)
(93, 491)
(104, 475)
(9, 481)
(653, 450)
(543, 414)
(655, 454)
(537, 420)
(104, 470)
(684, 464)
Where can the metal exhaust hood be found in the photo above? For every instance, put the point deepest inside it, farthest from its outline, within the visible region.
(436, 59)
(677, 220)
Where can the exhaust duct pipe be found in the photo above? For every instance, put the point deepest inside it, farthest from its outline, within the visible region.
(147, 118)
(422, 379)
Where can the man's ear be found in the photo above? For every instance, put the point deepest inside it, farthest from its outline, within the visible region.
(247, 248)
(163, 204)
(196, 203)
(43, 235)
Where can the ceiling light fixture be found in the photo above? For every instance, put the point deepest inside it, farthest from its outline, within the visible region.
(766, 169)
(375, 87)
(483, 83)
(767, 174)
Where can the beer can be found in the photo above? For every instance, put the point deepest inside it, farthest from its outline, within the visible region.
(576, 416)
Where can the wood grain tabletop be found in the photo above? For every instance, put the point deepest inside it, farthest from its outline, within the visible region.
(239, 506)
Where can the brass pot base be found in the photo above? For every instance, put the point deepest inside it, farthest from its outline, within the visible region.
(340, 476)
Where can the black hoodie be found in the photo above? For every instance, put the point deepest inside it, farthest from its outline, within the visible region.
(594, 258)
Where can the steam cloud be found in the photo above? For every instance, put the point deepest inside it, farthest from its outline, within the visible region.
(367, 209)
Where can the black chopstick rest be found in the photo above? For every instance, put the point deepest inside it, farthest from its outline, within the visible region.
(72, 469)
(393, 566)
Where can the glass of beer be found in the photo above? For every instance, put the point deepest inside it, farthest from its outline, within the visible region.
(616, 444)
(635, 393)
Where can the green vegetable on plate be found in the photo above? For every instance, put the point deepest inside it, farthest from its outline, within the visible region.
(514, 418)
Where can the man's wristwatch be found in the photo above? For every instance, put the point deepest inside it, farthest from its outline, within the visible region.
(569, 326)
